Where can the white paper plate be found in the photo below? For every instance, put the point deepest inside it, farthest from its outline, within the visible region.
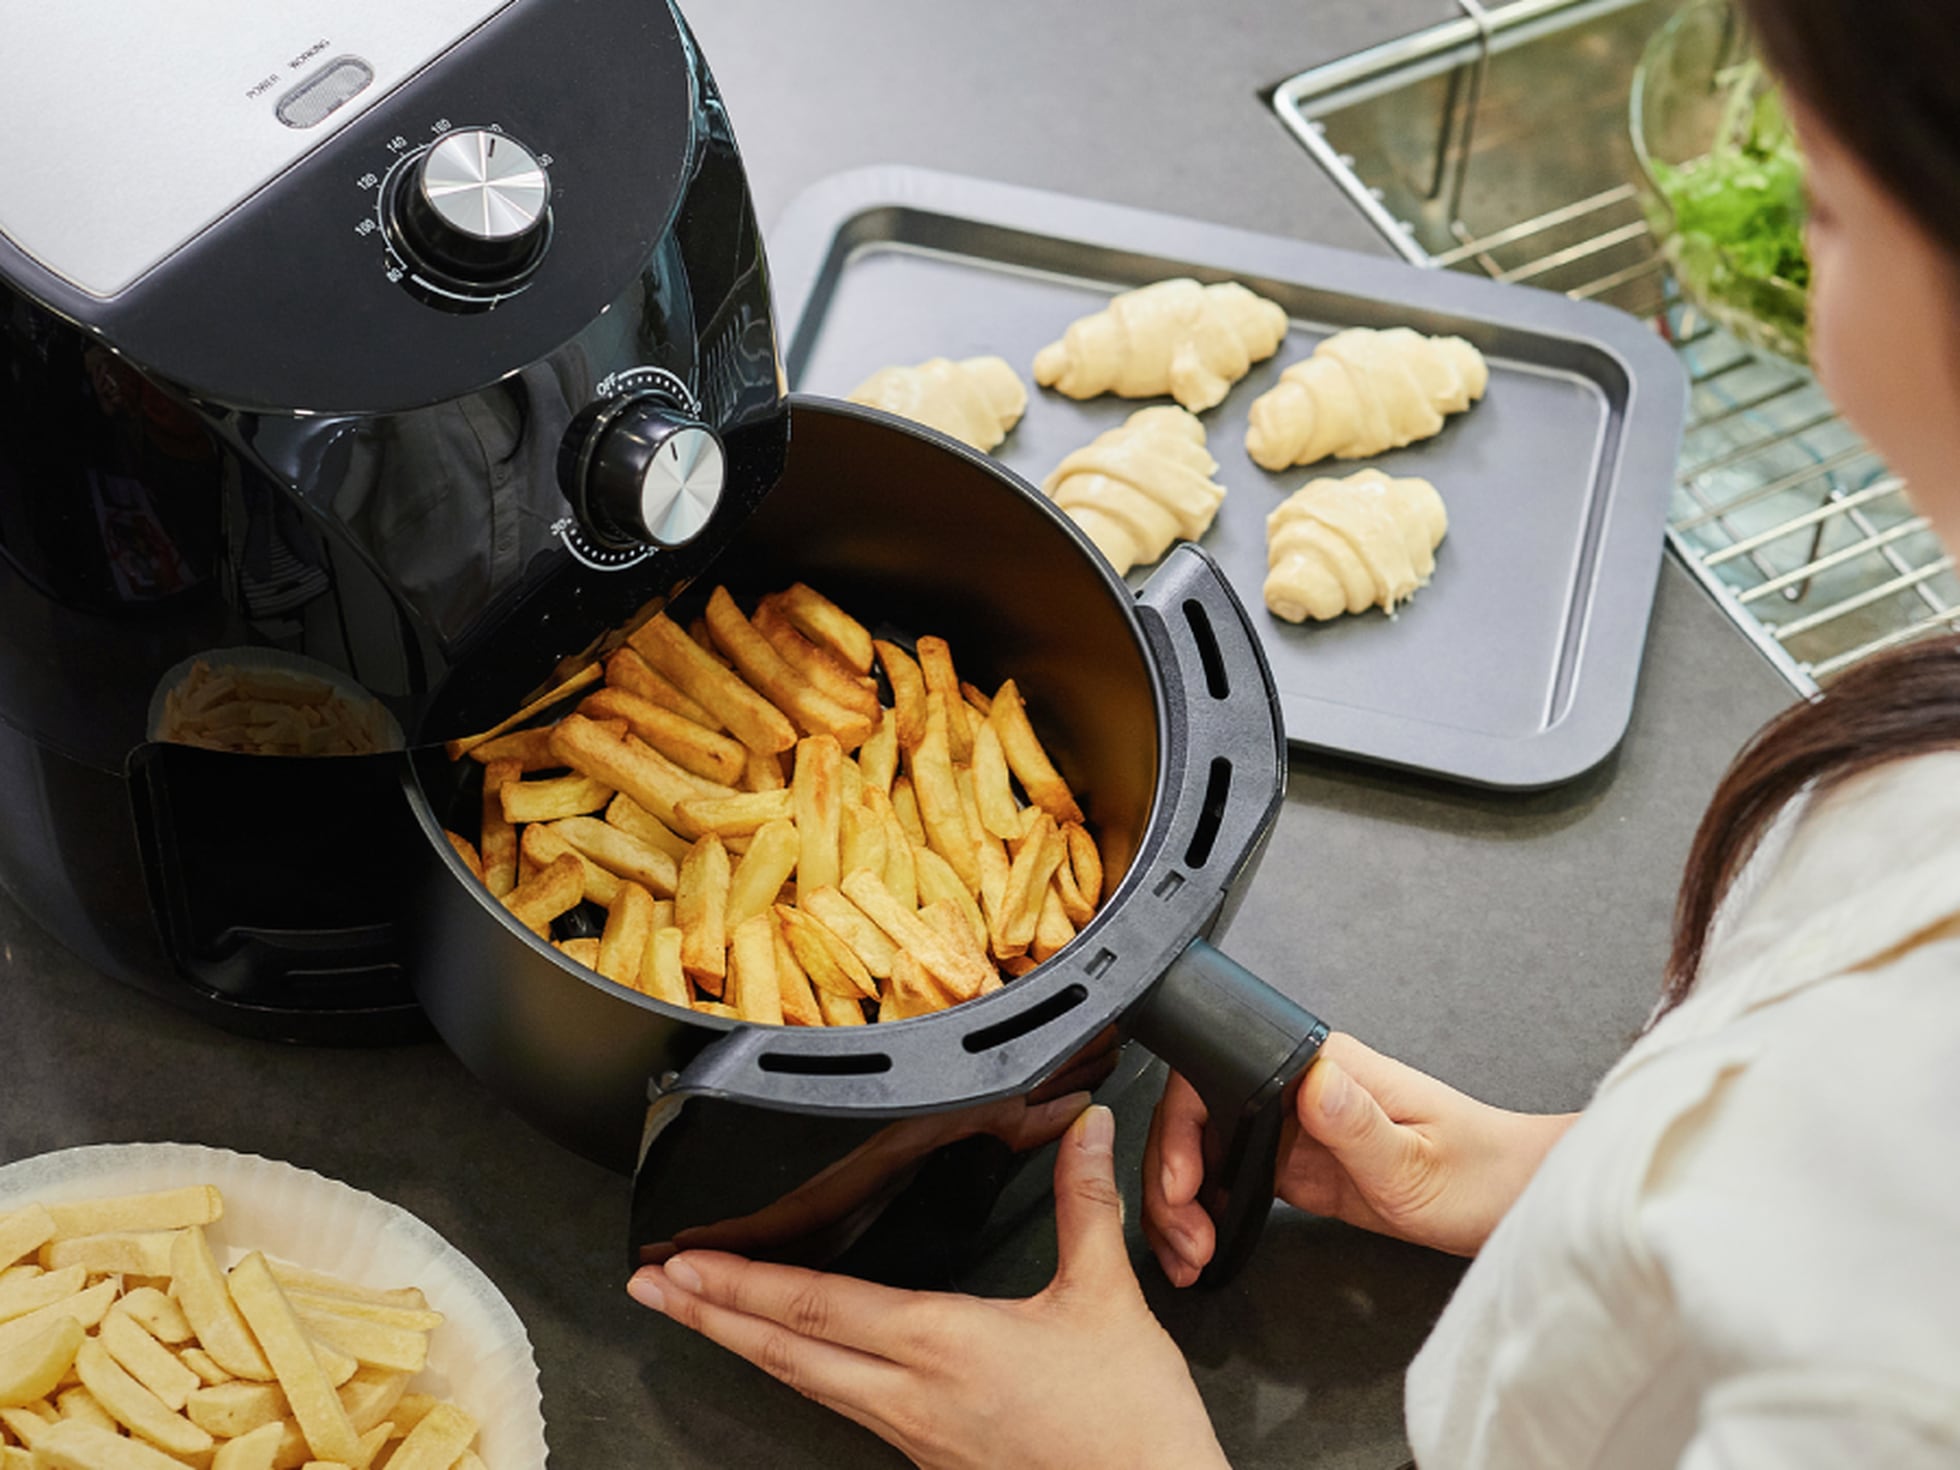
(481, 1356)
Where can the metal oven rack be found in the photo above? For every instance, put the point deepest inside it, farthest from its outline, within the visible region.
(1497, 142)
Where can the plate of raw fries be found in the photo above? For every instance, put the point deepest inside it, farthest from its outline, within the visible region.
(170, 1305)
(770, 815)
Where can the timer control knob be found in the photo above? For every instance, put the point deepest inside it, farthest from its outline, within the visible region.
(473, 209)
(640, 472)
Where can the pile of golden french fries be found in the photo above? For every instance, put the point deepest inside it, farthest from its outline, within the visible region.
(260, 711)
(123, 1346)
(771, 843)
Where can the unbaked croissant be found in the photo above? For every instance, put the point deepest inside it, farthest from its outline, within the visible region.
(976, 400)
(1336, 546)
(1361, 393)
(1139, 487)
(1193, 342)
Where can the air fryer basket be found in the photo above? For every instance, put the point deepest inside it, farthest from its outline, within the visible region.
(1157, 707)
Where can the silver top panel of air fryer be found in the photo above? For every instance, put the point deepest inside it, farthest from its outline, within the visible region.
(129, 132)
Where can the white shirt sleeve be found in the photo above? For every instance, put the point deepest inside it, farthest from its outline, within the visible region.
(1823, 1419)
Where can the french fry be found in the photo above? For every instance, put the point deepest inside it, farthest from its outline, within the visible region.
(231, 1409)
(31, 1293)
(636, 821)
(1027, 759)
(170, 1209)
(371, 1344)
(764, 868)
(437, 1441)
(799, 1001)
(850, 783)
(938, 883)
(905, 803)
(583, 679)
(622, 949)
(691, 746)
(627, 670)
(813, 712)
(498, 839)
(208, 1307)
(741, 815)
(1000, 814)
(1076, 907)
(557, 888)
(817, 798)
(716, 1008)
(749, 717)
(981, 702)
(86, 1307)
(74, 1444)
(31, 1370)
(948, 920)
(936, 664)
(257, 1449)
(630, 765)
(877, 758)
(970, 805)
(552, 798)
(298, 1278)
(861, 841)
(582, 951)
(763, 773)
(911, 992)
(908, 693)
(1042, 852)
(961, 976)
(823, 667)
(118, 1253)
(78, 1403)
(825, 623)
(146, 1360)
(322, 1419)
(753, 988)
(849, 923)
(371, 1396)
(940, 808)
(901, 876)
(466, 850)
(701, 911)
(831, 964)
(531, 749)
(24, 1231)
(1085, 863)
(837, 1011)
(131, 1404)
(661, 973)
(542, 845)
(620, 853)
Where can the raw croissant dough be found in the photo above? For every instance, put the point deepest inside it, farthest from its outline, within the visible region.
(1141, 486)
(976, 401)
(1363, 392)
(1336, 546)
(1174, 337)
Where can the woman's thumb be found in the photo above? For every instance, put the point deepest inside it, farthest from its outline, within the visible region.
(1088, 1207)
(1343, 1117)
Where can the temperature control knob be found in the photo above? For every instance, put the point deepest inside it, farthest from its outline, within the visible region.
(640, 472)
(473, 210)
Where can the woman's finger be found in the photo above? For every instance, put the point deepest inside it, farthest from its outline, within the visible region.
(1089, 1241)
(812, 1304)
(1178, 1229)
(1180, 1165)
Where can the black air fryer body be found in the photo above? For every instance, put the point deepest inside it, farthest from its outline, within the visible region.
(324, 429)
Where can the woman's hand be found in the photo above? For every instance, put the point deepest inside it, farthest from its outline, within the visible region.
(1372, 1142)
(1078, 1377)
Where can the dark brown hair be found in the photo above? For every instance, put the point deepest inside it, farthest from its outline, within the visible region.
(1884, 76)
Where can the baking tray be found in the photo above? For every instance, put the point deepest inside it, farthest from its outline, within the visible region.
(1516, 666)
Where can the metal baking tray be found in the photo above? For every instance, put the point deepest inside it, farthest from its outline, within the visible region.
(1516, 666)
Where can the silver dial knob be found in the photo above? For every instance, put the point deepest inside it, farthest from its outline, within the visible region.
(642, 472)
(474, 208)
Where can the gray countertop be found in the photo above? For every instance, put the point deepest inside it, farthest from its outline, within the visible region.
(1511, 944)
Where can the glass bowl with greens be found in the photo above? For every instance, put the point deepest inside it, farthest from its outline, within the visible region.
(1721, 179)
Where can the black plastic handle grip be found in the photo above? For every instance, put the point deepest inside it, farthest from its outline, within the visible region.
(1244, 1047)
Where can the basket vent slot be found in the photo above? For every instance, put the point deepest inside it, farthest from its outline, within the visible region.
(1218, 788)
(1168, 884)
(1103, 960)
(1034, 1017)
(1217, 682)
(826, 1064)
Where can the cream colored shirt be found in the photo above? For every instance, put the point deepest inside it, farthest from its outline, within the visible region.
(1746, 1252)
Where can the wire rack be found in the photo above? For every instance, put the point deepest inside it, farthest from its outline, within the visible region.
(1496, 143)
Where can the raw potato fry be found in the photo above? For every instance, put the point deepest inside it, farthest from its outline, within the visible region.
(850, 924)
(816, 795)
(86, 1307)
(170, 1209)
(691, 746)
(31, 1370)
(552, 798)
(661, 973)
(1025, 756)
(957, 971)
(556, 888)
(25, 1424)
(123, 1253)
(19, 1273)
(543, 845)
(906, 804)
(936, 664)
(584, 678)
(207, 1304)
(148, 1361)
(908, 693)
(799, 1001)
(813, 712)
(256, 1450)
(620, 854)
(1000, 814)
(31, 1293)
(236, 1408)
(622, 948)
(627, 670)
(498, 838)
(436, 1442)
(1052, 929)
(79, 1403)
(467, 852)
(741, 815)
(316, 1406)
(938, 883)
(298, 1278)
(877, 758)
(825, 623)
(131, 1404)
(205, 1367)
(823, 667)
(749, 717)
(752, 985)
(701, 911)
(371, 1344)
(940, 808)
(636, 821)
(370, 1399)
(76, 1445)
(1085, 863)
(831, 965)
(584, 951)
(630, 765)
(761, 873)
